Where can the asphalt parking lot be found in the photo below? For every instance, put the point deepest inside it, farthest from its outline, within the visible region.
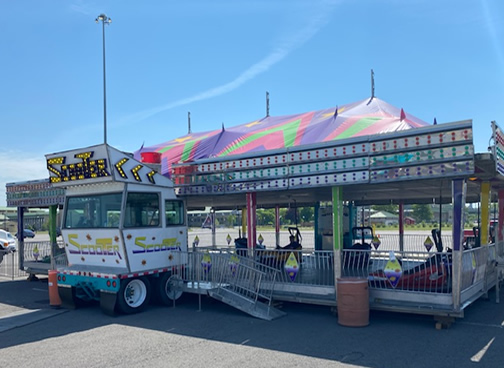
(32, 334)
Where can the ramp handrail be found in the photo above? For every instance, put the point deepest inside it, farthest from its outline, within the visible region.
(247, 280)
(226, 270)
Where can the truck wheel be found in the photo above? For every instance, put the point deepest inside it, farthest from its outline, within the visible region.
(169, 288)
(134, 295)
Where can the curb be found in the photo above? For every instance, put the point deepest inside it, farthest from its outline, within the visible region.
(27, 316)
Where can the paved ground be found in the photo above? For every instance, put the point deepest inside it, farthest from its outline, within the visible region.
(220, 336)
(23, 302)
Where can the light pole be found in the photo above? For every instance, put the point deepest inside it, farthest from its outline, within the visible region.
(105, 20)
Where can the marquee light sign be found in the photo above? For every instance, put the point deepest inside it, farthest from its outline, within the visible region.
(99, 164)
(87, 168)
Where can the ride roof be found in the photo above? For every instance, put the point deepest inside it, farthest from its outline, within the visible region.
(363, 118)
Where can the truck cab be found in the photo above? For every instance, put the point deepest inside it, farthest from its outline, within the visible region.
(123, 228)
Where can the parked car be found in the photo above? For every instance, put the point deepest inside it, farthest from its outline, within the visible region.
(7, 241)
(27, 233)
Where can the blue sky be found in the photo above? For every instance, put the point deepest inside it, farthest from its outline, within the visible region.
(217, 59)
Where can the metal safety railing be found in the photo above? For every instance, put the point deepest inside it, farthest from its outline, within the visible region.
(420, 271)
(474, 265)
(411, 242)
(9, 265)
(36, 255)
(301, 267)
(39, 251)
(425, 272)
(61, 261)
(220, 269)
(267, 237)
(251, 282)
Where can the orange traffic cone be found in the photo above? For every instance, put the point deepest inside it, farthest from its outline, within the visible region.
(54, 298)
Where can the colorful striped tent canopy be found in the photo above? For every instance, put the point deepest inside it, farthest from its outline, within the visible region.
(366, 117)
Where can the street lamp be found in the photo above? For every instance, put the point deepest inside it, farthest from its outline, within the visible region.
(105, 20)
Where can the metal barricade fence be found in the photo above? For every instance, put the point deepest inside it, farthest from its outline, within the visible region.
(34, 253)
(60, 261)
(499, 251)
(427, 272)
(313, 268)
(412, 242)
(253, 281)
(221, 268)
(419, 271)
(300, 267)
(316, 268)
(268, 238)
(41, 251)
(474, 265)
(9, 266)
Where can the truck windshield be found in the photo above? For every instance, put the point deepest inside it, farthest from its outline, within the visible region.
(93, 211)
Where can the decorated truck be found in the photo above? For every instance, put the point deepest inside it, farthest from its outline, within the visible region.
(123, 228)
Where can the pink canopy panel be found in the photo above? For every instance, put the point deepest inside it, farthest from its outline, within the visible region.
(366, 117)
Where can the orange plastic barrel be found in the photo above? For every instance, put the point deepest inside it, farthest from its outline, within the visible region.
(54, 298)
(353, 302)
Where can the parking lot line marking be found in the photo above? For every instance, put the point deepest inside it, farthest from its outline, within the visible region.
(481, 324)
(479, 355)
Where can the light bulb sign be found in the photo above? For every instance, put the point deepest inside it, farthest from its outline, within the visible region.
(97, 164)
(80, 167)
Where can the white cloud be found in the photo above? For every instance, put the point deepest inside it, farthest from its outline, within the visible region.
(490, 24)
(297, 39)
(81, 7)
(18, 166)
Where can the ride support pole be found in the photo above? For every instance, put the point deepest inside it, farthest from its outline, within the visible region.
(277, 225)
(500, 223)
(485, 204)
(459, 191)
(337, 200)
(251, 220)
(401, 226)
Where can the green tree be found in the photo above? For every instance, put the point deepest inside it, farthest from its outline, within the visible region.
(266, 216)
(306, 214)
(230, 220)
(422, 212)
(291, 216)
(283, 212)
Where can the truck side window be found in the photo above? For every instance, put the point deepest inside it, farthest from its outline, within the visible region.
(142, 210)
(174, 212)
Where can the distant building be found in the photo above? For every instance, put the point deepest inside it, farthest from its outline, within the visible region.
(409, 220)
(384, 218)
(34, 218)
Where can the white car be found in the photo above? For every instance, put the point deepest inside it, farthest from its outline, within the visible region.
(7, 241)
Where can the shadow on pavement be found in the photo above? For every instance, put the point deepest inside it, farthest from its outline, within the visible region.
(391, 340)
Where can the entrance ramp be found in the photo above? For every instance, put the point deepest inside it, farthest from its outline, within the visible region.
(237, 281)
(248, 305)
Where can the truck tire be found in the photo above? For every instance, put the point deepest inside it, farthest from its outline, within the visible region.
(169, 288)
(134, 295)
